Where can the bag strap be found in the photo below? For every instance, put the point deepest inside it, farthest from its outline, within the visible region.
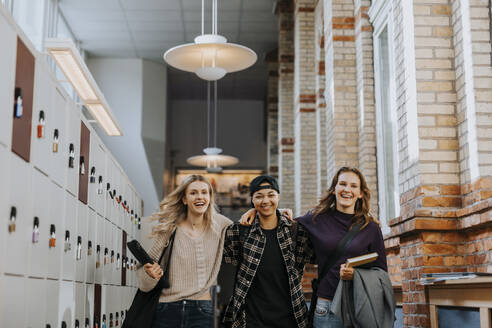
(339, 250)
(166, 252)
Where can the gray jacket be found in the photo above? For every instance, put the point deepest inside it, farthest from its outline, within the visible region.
(367, 301)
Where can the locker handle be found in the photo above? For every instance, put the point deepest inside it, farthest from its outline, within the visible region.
(13, 219)
(77, 325)
(18, 107)
(55, 141)
(35, 230)
(41, 124)
(93, 175)
(71, 156)
(82, 165)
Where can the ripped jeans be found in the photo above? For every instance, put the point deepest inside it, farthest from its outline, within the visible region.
(323, 318)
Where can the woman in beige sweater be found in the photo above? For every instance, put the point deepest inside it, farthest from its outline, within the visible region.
(196, 255)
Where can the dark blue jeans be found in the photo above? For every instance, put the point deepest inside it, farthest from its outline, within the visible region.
(184, 314)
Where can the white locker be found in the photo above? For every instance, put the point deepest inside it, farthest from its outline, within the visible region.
(58, 138)
(80, 243)
(109, 187)
(72, 150)
(91, 242)
(40, 224)
(101, 176)
(4, 199)
(108, 243)
(104, 300)
(99, 251)
(94, 172)
(8, 40)
(66, 310)
(68, 238)
(52, 301)
(36, 310)
(20, 211)
(56, 225)
(118, 251)
(13, 302)
(89, 305)
(80, 293)
(43, 119)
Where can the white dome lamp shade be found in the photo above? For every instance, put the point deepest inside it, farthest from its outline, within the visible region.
(210, 57)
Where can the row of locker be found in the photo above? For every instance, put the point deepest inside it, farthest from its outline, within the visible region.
(39, 303)
(46, 128)
(50, 234)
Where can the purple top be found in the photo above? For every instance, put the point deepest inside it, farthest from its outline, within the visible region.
(327, 231)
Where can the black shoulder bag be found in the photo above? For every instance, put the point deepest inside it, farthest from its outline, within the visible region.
(339, 250)
(141, 312)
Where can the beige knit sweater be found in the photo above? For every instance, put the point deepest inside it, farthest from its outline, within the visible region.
(195, 262)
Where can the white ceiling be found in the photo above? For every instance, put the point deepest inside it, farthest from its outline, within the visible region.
(147, 28)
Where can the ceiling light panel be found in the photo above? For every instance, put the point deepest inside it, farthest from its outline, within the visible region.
(151, 4)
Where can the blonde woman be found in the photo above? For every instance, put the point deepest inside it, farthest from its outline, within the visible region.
(196, 255)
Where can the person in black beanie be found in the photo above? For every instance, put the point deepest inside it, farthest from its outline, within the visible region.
(271, 255)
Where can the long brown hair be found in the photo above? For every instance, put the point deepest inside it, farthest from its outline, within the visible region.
(173, 210)
(362, 206)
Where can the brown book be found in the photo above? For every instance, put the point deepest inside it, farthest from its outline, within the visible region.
(360, 260)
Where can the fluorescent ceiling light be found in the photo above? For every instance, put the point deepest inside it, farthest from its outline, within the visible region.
(67, 57)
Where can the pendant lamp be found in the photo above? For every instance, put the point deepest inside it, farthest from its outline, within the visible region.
(213, 159)
(210, 57)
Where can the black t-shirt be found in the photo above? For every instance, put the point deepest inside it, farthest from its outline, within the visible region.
(268, 303)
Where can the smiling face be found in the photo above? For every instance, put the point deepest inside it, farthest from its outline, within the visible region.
(265, 201)
(347, 192)
(197, 198)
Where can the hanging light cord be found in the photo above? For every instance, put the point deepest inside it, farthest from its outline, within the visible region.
(215, 114)
(208, 113)
(203, 17)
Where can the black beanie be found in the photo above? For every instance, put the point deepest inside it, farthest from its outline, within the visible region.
(254, 186)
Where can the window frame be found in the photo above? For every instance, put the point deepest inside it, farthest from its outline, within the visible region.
(383, 18)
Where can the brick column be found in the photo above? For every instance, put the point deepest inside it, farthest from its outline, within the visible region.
(286, 103)
(272, 112)
(365, 99)
(341, 89)
(320, 96)
(307, 179)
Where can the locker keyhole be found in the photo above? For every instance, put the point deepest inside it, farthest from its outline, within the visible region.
(18, 107)
(93, 175)
(13, 219)
(35, 230)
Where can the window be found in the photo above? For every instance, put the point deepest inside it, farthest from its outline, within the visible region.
(386, 117)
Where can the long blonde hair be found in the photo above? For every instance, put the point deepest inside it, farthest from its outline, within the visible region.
(172, 210)
(362, 206)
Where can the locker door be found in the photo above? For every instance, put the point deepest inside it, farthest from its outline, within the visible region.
(13, 302)
(108, 243)
(104, 300)
(72, 152)
(58, 138)
(8, 39)
(99, 251)
(56, 230)
(80, 292)
(80, 243)
(117, 250)
(94, 172)
(68, 237)
(52, 302)
(91, 240)
(66, 310)
(84, 158)
(40, 224)
(36, 310)
(42, 118)
(4, 199)
(101, 167)
(89, 305)
(109, 188)
(19, 211)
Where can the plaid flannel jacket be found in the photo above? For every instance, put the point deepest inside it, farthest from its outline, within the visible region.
(295, 253)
